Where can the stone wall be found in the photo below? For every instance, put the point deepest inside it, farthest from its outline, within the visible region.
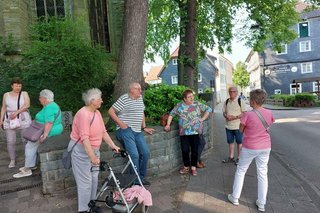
(15, 18)
(164, 147)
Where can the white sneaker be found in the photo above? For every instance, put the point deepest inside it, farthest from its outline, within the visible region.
(233, 200)
(260, 206)
(12, 164)
(24, 168)
(23, 173)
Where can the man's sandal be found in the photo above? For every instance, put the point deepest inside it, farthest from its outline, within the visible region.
(228, 160)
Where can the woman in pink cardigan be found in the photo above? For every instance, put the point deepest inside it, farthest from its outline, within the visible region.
(88, 131)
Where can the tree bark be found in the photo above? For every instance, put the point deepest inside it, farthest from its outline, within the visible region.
(130, 66)
(188, 50)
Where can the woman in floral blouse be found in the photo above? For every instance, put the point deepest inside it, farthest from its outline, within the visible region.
(190, 126)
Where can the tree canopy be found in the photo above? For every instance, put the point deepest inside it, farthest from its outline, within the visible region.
(262, 21)
(266, 20)
(241, 76)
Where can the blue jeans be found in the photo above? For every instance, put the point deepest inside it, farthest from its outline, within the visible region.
(234, 135)
(137, 147)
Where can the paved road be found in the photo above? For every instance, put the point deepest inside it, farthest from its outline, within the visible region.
(296, 141)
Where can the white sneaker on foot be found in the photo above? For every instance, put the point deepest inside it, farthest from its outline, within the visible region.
(23, 173)
(12, 164)
(260, 206)
(24, 168)
(233, 200)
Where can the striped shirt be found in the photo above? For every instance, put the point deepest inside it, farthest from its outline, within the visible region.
(130, 111)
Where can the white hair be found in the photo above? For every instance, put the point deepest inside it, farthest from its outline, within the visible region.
(91, 95)
(47, 94)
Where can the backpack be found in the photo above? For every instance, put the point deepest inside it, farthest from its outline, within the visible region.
(239, 101)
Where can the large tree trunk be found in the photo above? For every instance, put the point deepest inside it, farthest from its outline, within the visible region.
(130, 66)
(188, 52)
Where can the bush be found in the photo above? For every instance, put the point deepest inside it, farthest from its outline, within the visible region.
(62, 59)
(305, 97)
(160, 99)
(288, 99)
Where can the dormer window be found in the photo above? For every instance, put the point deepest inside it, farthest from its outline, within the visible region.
(304, 29)
(175, 61)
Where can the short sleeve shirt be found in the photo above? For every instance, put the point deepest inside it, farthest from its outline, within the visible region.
(47, 115)
(233, 108)
(88, 125)
(189, 115)
(130, 111)
(255, 135)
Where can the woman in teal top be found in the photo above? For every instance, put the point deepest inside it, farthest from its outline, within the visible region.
(50, 116)
(47, 115)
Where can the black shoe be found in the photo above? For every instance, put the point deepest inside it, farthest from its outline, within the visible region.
(96, 209)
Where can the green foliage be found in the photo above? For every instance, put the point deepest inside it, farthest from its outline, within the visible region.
(318, 103)
(208, 90)
(61, 58)
(288, 99)
(266, 20)
(8, 70)
(305, 97)
(8, 45)
(240, 76)
(160, 99)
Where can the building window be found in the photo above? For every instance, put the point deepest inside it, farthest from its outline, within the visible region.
(200, 90)
(305, 46)
(99, 27)
(303, 29)
(306, 67)
(277, 91)
(174, 79)
(199, 77)
(316, 86)
(295, 88)
(50, 8)
(283, 49)
(174, 61)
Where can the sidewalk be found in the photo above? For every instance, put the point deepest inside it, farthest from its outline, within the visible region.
(172, 193)
(208, 191)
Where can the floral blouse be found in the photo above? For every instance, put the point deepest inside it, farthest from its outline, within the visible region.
(189, 117)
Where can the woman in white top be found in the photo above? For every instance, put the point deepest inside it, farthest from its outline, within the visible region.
(15, 105)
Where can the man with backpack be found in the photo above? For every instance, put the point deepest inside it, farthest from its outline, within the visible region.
(233, 109)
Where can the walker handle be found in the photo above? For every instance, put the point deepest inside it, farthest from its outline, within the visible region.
(122, 153)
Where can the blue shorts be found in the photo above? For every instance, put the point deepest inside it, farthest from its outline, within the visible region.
(234, 135)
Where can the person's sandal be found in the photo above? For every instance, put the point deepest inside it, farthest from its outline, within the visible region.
(228, 160)
(200, 165)
(194, 172)
(184, 170)
(236, 162)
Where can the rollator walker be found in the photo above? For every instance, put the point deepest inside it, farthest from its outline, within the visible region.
(116, 183)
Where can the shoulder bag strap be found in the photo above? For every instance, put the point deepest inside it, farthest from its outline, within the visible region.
(94, 114)
(263, 121)
(55, 118)
(18, 102)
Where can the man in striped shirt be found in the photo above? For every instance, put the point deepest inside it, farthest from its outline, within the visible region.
(128, 113)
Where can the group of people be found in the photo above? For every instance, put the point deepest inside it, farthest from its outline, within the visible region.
(250, 130)
(15, 109)
(88, 130)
